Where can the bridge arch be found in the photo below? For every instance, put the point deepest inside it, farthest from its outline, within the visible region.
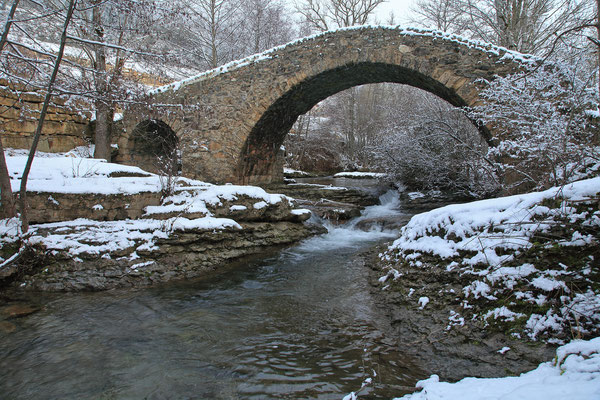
(243, 110)
(260, 156)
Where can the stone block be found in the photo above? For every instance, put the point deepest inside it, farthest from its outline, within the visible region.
(10, 113)
(9, 102)
(27, 127)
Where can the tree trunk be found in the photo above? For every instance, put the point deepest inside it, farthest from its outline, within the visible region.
(7, 199)
(257, 27)
(38, 131)
(214, 56)
(103, 124)
(352, 122)
(102, 134)
(598, 32)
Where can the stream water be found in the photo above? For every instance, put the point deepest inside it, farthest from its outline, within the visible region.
(298, 324)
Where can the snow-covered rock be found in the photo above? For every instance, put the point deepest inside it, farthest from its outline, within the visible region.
(112, 215)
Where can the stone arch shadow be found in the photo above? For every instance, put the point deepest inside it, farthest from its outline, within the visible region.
(155, 147)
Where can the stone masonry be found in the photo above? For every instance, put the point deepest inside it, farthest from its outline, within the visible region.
(231, 121)
(65, 127)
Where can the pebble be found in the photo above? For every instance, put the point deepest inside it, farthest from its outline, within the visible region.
(7, 327)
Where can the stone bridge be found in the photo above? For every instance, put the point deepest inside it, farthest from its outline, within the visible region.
(231, 121)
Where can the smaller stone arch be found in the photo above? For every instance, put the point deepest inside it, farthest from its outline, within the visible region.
(154, 147)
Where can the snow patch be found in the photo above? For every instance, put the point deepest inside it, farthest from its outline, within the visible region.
(575, 375)
(359, 175)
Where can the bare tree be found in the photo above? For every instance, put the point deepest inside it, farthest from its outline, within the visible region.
(101, 82)
(355, 115)
(40, 125)
(424, 143)
(7, 199)
(527, 26)
(542, 117)
(445, 15)
(213, 26)
(391, 19)
(210, 33)
(312, 146)
(266, 23)
(596, 42)
(580, 42)
(420, 140)
(324, 15)
(524, 25)
(109, 34)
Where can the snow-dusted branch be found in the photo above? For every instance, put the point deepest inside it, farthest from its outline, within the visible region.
(111, 46)
(540, 117)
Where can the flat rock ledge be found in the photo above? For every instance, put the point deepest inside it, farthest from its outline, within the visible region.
(91, 255)
(182, 255)
(335, 204)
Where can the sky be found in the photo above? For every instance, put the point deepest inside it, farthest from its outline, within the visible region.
(401, 9)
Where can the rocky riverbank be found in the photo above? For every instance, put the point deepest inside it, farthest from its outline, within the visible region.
(98, 226)
(98, 255)
(491, 288)
(333, 203)
(450, 349)
(179, 255)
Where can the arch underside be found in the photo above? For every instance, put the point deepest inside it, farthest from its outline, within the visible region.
(155, 144)
(260, 151)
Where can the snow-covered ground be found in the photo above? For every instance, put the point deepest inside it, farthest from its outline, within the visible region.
(319, 186)
(573, 375)
(359, 175)
(295, 172)
(509, 254)
(527, 262)
(74, 174)
(517, 215)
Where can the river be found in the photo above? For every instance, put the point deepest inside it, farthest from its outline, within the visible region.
(298, 323)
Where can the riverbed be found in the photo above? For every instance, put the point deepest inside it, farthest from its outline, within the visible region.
(298, 323)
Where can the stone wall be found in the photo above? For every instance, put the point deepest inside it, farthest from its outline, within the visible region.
(65, 126)
(54, 207)
(46, 207)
